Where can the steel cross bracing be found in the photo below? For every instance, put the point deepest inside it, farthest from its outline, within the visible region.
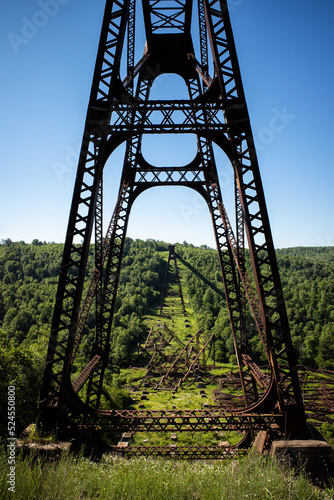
(225, 250)
(120, 111)
(180, 452)
(252, 200)
(175, 420)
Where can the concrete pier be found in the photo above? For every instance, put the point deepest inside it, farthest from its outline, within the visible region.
(316, 458)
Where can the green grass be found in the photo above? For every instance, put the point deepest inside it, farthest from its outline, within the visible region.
(200, 438)
(148, 479)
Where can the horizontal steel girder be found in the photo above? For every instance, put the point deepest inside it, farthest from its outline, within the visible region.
(162, 116)
(176, 420)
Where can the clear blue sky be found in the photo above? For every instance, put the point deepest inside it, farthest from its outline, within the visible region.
(285, 51)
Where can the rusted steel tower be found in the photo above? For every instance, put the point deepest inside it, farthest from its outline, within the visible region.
(193, 39)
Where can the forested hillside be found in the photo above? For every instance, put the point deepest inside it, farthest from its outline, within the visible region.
(28, 281)
(308, 282)
(307, 276)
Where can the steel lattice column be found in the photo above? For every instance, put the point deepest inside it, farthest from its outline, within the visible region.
(216, 113)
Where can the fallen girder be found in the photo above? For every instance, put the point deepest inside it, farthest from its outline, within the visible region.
(170, 370)
(180, 452)
(86, 372)
(318, 394)
(196, 359)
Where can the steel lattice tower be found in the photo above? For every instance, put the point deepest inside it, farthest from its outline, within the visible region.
(121, 111)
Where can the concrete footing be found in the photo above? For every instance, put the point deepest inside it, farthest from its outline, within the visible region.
(52, 451)
(316, 458)
(49, 451)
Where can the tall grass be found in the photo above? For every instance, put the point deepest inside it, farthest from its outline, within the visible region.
(152, 479)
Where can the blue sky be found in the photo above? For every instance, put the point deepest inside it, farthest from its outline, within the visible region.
(285, 50)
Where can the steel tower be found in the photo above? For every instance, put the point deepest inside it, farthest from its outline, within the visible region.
(193, 39)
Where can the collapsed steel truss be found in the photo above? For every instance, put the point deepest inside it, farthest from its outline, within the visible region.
(120, 111)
